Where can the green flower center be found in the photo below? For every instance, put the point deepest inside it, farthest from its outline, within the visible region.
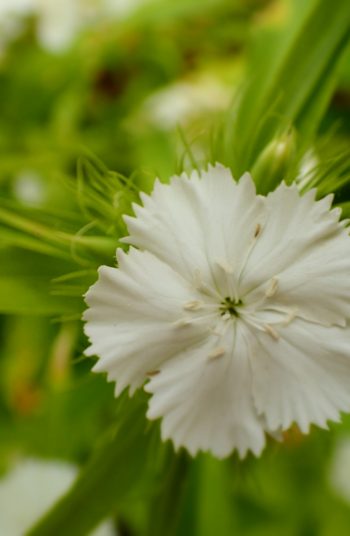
(230, 305)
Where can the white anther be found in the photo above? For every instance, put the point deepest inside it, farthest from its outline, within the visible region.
(290, 317)
(225, 266)
(216, 353)
(216, 332)
(272, 288)
(198, 281)
(257, 231)
(182, 323)
(271, 331)
(152, 373)
(193, 305)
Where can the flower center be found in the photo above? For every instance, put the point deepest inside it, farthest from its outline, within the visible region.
(230, 306)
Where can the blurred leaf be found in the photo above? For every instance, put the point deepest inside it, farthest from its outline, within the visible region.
(168, 499)
(26, 284)
(104, 196)
(215, 503)
(29, 230)
(109, 476)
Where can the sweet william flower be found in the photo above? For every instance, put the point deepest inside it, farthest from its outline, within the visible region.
(230, 308)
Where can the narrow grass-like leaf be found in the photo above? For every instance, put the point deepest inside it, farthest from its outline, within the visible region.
(295, 88)
(26, 285)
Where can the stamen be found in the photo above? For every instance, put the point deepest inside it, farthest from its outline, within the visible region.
(271, 331)
(225, 266)
(198, 319)
(216, 332)
(216, 353)
(182, 323)
(220, 329)
(152, 373)
(290, 317)
(257, 231)
(201, 286)
(193, 305)
(272, 288)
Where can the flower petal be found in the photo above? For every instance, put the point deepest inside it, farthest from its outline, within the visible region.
(303, 376)
(306, 251)
(205, 397)
(136, 319)
(196, 223)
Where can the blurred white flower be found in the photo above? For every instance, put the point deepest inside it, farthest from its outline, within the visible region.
(15, 7)
(59, 22)
(234, 306)
(183, 101)
(29, 188)
(30, 489)
(123, 8)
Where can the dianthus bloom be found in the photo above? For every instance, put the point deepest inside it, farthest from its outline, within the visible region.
(231, 308)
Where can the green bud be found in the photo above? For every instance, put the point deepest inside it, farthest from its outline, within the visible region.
(274, 163)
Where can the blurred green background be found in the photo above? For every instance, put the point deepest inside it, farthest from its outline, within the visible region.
(146, 85)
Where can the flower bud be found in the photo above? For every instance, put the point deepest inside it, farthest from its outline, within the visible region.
(273, 164)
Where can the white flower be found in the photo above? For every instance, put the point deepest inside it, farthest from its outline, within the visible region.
(30, 489)
(234, 306)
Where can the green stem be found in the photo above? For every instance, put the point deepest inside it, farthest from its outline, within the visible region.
(166, 506)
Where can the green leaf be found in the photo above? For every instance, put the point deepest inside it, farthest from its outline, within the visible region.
(294, 87)
(28, 230)
(168, 499)
(103, 195)
(26, 284)
(209, 504)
